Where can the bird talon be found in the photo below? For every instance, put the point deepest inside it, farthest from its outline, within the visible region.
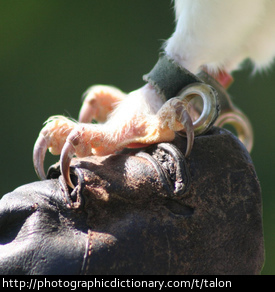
(188, 131)
(39, 152)
(52, 137)
(66, 156)
(65, 137)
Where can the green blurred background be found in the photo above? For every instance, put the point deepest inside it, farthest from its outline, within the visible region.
(51, 51)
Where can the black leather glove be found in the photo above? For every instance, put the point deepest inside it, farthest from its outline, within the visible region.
(146, 211)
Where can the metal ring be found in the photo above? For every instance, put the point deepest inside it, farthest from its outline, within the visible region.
(241, 124)
(210, 109)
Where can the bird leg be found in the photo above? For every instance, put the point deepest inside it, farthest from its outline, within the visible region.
(149, 115)
(125, 128)
(63, 136)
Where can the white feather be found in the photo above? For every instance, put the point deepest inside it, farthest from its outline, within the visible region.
(220, 34)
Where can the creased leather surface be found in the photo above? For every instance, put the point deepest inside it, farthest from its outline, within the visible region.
(39, 234)
(154, 213)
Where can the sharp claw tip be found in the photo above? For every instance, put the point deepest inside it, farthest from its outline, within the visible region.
(65, 159)
(190, 142)
(187, 152)
(40, 173)
(39, 153)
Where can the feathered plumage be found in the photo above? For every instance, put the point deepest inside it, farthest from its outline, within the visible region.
(216, 35)
(221, 34)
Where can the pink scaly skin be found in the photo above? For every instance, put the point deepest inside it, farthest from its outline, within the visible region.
(146, 122)
(216, 35)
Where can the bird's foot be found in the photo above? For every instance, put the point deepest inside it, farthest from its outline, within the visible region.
(69, 138)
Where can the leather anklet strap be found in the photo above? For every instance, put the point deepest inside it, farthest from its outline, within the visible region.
(168, 78)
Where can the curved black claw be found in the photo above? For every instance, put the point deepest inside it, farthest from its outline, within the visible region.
(39, 152)
(66, 156)
(184, 118)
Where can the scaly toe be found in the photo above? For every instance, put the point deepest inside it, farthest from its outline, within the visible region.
(52, 137)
